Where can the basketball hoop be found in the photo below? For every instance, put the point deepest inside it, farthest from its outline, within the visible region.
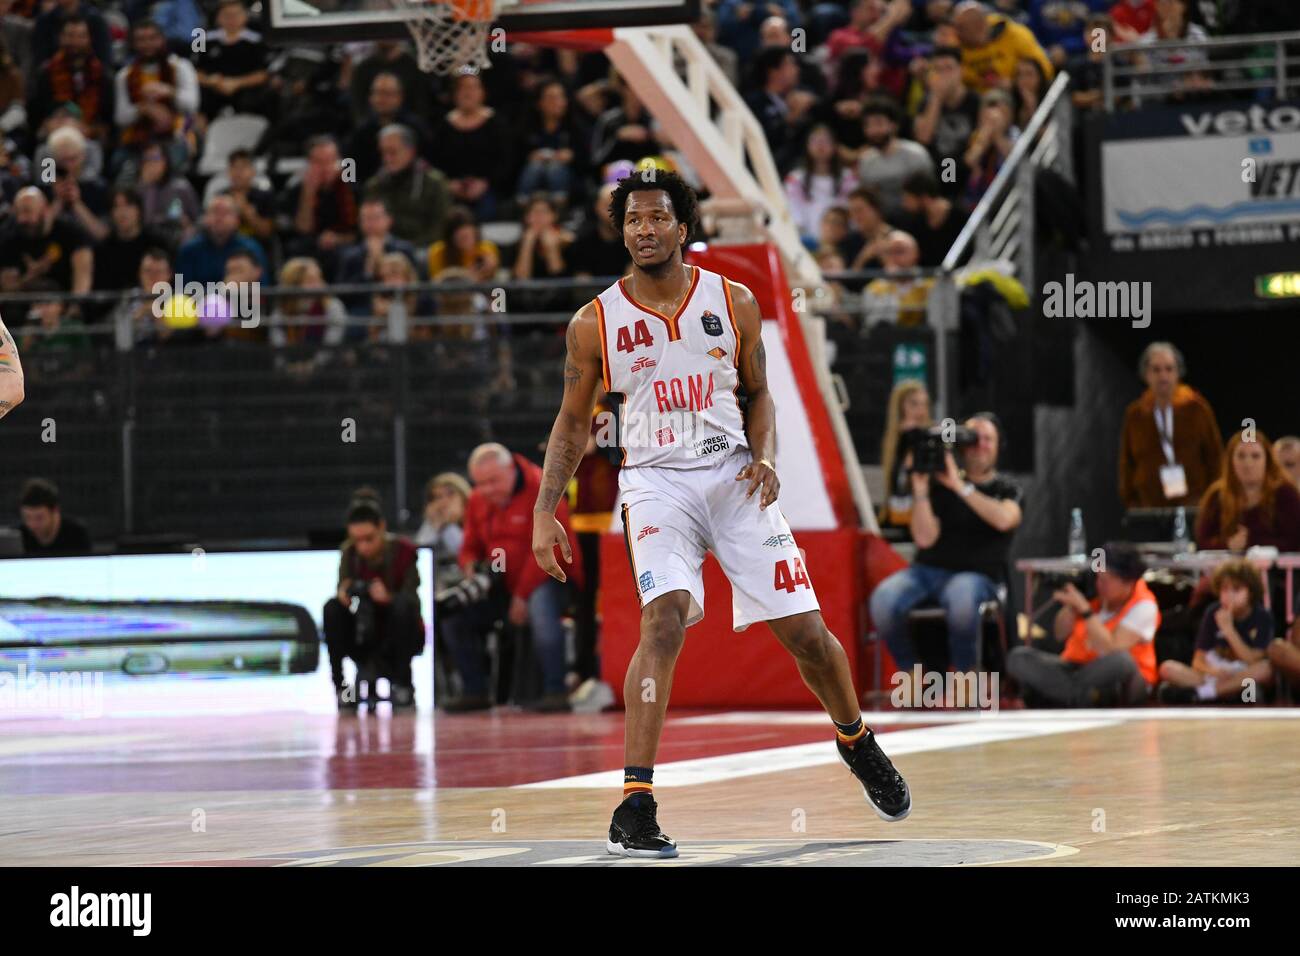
(450, 35)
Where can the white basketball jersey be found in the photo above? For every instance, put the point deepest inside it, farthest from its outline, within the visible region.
(678, 374)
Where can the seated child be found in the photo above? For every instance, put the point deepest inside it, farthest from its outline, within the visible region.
(1231, 646)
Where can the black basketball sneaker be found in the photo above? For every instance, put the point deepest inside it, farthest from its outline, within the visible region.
(885, 788)
(634, 831)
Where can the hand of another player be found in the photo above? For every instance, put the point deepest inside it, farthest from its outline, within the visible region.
(547, 533)
(760, 474)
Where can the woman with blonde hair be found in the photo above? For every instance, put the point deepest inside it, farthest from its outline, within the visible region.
(394, 268)
(907, 416)
(1252, 503)
(290, 322)
(445, 498)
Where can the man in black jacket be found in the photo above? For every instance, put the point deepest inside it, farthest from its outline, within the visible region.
(47, 531)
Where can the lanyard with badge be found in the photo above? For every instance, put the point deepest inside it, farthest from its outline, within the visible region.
(1172, 477)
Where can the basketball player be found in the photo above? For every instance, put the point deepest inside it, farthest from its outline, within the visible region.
(678, 343)
(11, 373)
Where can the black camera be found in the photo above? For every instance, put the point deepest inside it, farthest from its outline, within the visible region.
(365, 613)
(469, 590)
(1083, 580)
(929, 446)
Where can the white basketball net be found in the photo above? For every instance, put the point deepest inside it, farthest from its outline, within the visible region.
(450, 35)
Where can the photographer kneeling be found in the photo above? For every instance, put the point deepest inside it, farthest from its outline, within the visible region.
(1110, 651)
(962, 526)
(385, 631)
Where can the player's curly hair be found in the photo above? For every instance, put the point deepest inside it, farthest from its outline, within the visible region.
(685, 206)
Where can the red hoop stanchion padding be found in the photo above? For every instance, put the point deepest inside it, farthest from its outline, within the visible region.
(584, 40)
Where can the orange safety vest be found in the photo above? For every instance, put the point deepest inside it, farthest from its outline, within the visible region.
(1078, 651)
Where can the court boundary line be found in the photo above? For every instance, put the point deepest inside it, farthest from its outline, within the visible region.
(924, 716)
(730, 766)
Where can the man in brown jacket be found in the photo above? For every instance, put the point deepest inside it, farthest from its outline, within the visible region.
(1170, 448)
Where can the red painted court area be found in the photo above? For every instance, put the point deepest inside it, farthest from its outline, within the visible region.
(310, 752)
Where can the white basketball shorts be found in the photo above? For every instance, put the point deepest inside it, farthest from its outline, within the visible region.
(672, 516)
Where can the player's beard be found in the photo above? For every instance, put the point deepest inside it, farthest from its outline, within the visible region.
(660, 270)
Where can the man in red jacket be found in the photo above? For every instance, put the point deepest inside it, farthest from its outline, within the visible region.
(499, 534)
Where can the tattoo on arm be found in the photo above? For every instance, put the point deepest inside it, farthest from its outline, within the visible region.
(562, 457)
(572, 371)
(758, 365)
(568, 442)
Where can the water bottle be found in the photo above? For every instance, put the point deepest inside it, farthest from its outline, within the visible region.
(1180, 530)
(175, 209)
(1078, 541)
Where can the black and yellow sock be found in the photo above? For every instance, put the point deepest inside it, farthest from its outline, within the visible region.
(638, 780)
(850, 734)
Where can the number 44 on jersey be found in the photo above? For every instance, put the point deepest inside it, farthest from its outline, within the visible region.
(787, 579)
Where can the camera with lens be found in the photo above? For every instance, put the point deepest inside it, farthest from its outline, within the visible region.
(365, 613)
(471, 589)
(1052, 581)
(929, 446)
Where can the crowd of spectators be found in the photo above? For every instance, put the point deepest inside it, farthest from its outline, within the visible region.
(888, 120)
(1102, 650)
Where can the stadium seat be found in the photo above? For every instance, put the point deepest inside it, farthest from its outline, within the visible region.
(227, 134)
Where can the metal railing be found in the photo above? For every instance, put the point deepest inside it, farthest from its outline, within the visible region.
(1256, 63)
(156, 436)
(1001, 228)
(396, 324)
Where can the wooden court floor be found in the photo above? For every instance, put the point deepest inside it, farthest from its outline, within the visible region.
(1151, 787)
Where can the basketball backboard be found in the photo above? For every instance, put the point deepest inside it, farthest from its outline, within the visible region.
(335, 21)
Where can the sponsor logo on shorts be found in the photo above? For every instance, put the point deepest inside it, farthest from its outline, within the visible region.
(643, 362)
(717, 352)
(646, 581)
(779, 541)
(665, 437)
(712, 324)
(710, 445)
(647, 530)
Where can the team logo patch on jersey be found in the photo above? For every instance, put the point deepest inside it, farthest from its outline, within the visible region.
(647, 530)
(712, 324)
(644, 361)
(718, 353)
(646, 581)
(665, 436)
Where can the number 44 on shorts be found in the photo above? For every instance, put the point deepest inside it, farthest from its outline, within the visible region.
(787, 579)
